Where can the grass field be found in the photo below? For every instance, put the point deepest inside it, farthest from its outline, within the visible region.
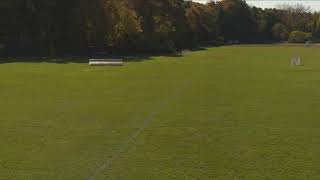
(234, 112)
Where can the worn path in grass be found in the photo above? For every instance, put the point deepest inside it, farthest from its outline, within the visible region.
(222, 113)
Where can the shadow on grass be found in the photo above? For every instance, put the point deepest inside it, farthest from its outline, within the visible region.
(85, 58)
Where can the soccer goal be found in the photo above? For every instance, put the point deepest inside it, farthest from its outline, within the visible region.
(296, 61)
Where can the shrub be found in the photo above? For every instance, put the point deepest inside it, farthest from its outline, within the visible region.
(299, 37)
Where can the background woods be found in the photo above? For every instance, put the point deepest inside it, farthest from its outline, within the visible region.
(53, 27)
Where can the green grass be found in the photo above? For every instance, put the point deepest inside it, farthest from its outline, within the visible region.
(222, 113)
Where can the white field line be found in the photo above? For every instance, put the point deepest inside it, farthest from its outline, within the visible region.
(124, 147)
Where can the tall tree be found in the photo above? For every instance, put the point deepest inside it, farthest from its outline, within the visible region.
(238, 22)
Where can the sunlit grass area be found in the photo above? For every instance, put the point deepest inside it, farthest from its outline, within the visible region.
(233, 112)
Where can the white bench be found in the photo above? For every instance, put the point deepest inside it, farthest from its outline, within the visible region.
(105, 62)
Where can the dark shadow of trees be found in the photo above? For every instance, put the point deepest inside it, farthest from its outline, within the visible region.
(84, 58)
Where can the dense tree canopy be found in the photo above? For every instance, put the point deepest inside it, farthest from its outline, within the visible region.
(53, 27)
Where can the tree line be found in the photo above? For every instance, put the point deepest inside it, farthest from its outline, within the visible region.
(54, 27)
